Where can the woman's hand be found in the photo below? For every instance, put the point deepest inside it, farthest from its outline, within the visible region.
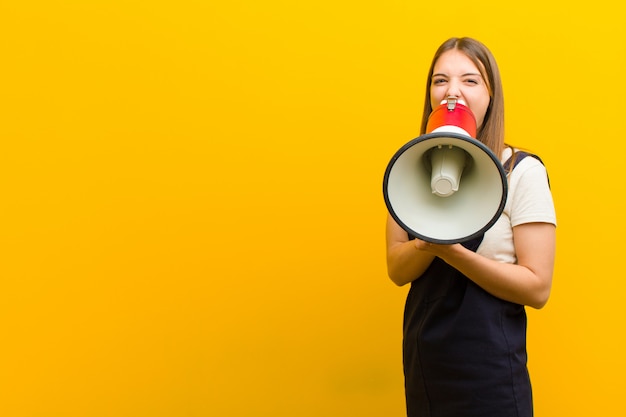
(435, 248)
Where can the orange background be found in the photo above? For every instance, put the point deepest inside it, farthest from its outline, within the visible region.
(192, 221)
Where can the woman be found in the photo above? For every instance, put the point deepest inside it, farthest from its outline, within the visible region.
(465, 321)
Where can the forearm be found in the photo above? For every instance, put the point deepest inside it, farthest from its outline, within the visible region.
(512, 282)
(405, 262)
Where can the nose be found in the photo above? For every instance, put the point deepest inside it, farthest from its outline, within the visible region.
(454, 89)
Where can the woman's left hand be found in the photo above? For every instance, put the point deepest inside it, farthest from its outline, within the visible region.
(435, 248)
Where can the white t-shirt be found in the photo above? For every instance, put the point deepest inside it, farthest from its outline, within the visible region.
(529, 200)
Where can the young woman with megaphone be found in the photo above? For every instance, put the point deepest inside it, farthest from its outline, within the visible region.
(464, 345)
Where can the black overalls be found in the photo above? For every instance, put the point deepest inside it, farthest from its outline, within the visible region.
(464, 350)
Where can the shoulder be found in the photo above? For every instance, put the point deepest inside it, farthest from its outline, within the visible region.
(529, 168)
(529, 193)
(518, 164)
(530, 162)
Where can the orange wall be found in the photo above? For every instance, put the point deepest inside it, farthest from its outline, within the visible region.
(192, 217)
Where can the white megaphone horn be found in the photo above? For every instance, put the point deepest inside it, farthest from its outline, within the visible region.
(445, 186)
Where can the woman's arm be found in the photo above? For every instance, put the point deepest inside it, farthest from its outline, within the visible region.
(405, 262)
(528, 282)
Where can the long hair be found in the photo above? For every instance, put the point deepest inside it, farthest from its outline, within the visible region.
(491, 133)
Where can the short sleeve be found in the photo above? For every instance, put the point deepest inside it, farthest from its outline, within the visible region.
(531, 200)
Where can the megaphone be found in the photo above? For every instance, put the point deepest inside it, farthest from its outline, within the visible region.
(446, 186)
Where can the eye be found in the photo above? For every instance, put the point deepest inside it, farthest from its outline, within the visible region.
(473, 81)
(438, 81)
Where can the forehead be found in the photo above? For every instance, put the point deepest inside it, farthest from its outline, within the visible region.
(454, 62)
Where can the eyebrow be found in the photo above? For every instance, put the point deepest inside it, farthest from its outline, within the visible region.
(439, 74)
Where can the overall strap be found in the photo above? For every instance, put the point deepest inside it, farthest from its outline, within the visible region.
(516, 158)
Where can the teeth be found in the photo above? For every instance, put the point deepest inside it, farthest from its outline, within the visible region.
(460, 101)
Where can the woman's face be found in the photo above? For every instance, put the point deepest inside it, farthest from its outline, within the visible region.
(456, 75)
